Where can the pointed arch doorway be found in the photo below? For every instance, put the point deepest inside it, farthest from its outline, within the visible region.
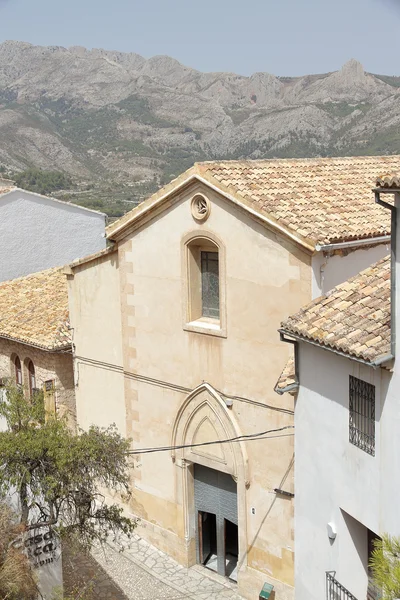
(214, 479)
(217, 541)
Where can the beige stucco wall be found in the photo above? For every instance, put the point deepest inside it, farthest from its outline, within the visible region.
(127, 310)
(48, 366)
(267, 278)
(94, 306)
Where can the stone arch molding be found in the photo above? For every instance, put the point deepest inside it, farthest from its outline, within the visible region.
(204, 416)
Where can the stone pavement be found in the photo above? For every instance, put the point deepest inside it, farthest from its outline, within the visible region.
(141, 572)
(85, 579)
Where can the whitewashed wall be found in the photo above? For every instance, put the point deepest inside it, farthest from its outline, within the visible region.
(334, 480)
(39, 232)
(327, 272)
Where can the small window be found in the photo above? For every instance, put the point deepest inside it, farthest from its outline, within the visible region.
(18, 370)
(210, 284)
(32, 378)
(362, 414)
(204, 278)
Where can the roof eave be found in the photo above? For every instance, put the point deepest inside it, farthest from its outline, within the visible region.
(25, 342)
(68, 269)
(84, 208)
(379, 360)
(141, 215)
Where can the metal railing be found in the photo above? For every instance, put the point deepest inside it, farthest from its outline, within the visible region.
(335, 590)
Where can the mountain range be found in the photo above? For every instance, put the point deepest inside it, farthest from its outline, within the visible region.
(120, 125)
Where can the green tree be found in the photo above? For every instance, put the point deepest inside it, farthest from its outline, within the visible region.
(42, 182)
(57, 473)
(385, 566)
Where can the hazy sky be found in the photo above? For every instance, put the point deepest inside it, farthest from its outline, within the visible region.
(284, 37)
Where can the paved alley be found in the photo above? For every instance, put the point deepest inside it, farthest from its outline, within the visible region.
(141, 572)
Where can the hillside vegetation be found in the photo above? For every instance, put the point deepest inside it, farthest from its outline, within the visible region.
(112, 127)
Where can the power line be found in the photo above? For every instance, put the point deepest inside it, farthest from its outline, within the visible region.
(176, 387)
(262, 435)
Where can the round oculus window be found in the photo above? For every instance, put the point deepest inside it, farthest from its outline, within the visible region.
(200, 207)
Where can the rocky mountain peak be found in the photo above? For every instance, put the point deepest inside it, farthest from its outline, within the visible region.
(119, 121)
(352, 68)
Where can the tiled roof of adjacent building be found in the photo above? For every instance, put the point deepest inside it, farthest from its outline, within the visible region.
(287, 379)
(388, 181)
(317, 200)
(34, 310)
(353, 318)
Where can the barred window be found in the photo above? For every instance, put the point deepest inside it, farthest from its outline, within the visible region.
(362, 414)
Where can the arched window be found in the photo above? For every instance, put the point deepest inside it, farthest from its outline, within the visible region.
(18, 370)
(204, 274)
(32, 378)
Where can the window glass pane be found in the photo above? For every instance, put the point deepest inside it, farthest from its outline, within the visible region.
(32, 378)
(18, 371)
(210, 284)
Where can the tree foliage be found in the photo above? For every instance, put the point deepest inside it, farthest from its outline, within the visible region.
(385, 566)
(42, 182)
(57, 473)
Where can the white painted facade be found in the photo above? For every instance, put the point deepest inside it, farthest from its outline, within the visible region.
(335, 481)
(328, 270)
(38, 233)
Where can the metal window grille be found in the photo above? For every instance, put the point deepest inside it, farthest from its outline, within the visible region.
(362, 414)
(210, 284)
(335, 590)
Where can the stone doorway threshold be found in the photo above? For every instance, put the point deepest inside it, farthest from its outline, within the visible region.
(230, 562)
(142, 572)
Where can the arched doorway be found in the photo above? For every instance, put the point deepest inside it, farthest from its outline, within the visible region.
(214, 481)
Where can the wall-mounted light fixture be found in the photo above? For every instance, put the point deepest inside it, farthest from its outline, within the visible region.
(331, 531)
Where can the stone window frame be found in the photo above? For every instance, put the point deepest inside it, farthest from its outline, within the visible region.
(193, 243)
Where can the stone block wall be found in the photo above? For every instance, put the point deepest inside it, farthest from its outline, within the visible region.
(55, 366)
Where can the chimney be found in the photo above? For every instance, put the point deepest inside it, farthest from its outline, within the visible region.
(389, 186)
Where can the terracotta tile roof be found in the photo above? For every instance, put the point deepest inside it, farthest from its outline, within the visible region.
(353, 318)
(388, 181)
(317, 200)
(287, 379)
(34, 310)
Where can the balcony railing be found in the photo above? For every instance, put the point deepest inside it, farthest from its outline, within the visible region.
(335, 590)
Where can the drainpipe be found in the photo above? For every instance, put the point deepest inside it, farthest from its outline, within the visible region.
(393, 234)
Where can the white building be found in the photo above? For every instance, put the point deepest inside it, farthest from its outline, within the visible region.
(347, 423)
(38, 232)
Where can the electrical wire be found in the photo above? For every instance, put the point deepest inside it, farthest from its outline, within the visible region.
(262, 435)
(174, 386)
